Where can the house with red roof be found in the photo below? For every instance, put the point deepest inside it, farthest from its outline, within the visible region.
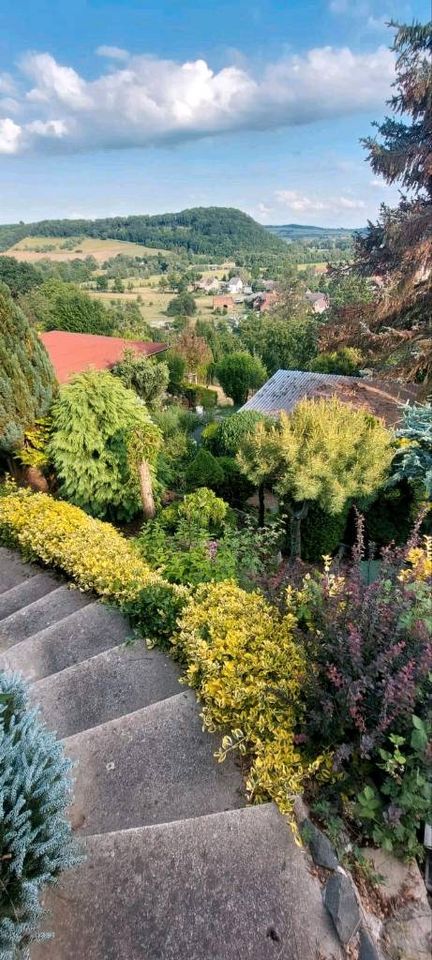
(72, 353)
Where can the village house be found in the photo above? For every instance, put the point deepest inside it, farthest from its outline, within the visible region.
(209, 285)
(223, 302)
(264, 301)
(285, 389)
(235, 285)
(318, 301)
(72, 353)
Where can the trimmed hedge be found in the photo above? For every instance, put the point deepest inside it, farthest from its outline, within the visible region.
(196, 394)
(95, 555)
(36, 842)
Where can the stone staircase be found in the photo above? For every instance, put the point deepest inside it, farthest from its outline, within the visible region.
(177, 866)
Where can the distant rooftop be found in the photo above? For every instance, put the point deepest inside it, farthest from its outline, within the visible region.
(72, 353)
(286, 388)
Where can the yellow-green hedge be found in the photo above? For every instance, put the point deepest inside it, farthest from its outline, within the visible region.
(95, 555)
(244, 662)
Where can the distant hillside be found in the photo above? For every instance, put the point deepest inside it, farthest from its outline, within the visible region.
(212, 231)
(296, 231)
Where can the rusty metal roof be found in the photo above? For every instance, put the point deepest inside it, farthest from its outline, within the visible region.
(287, 387)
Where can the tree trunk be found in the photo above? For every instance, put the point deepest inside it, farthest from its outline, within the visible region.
(146, 490)
(261, 505)
(297, 512)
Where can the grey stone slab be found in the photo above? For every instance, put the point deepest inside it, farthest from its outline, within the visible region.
(26, 592)
(42, 613)
(232, 886)
(81, 635)
(319, 845)
(116, 682)
(368, 948)
(151, 766)
(341, 902)
(13, 570)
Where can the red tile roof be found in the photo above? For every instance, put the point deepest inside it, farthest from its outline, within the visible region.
(75, 352)
(222, 301)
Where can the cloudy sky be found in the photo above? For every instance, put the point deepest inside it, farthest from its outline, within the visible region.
(144, 106)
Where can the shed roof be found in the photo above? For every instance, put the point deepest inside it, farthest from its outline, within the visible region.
(72, 353)
(287, 387)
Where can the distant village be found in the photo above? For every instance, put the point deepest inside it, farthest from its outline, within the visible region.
(230, 294)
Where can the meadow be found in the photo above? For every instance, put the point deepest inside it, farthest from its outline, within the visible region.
(32, 249)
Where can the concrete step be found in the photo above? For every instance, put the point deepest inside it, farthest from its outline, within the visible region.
(13, 570)
(116, 682)
(81, 635)
(26, 592)
(232, 886)
(147, 767)
(42, 613)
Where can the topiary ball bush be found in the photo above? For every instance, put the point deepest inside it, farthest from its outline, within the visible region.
(35, 836)
(321, 533)
(204, 471)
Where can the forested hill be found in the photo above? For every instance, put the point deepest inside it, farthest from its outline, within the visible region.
(213, 231)
(298, 231)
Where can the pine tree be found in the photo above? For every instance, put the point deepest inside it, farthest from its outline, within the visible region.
(398, 247)
(323, 453)
(35, 836)
(27, 381)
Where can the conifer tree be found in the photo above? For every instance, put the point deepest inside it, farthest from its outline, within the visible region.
(324, 452)
(35, 836)
(398, 247)
(27, 381)
(104, 446)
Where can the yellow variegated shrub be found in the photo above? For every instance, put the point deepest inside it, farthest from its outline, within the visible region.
(247, 668)
(420, 560)
(95, 555)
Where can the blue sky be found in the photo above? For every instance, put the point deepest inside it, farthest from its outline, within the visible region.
(141, 107)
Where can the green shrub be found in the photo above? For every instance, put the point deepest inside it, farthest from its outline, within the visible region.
(195, 394)
(204, 471)
(345, 362)
(238, 373)
(391, 515)
(235, 488)
(155, 610)
(35, 838)
(101, 433)
(322, 533)
(224, 438)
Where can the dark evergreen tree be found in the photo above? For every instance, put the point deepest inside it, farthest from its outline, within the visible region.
(19, 277)
(398, 247)
(27, 380)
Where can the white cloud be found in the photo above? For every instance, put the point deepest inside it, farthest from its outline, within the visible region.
(300, 203)
(10, 136)
(112, 53)
(379, 184)
(147, 101)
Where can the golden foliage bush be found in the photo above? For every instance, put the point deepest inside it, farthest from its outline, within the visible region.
(95, 555)
(244, 662)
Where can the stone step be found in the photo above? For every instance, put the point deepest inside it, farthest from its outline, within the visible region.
(116, 682)
(231, 886)
(42, 613)
(151, 766)
(81, 635)
(13, 570)
(25, 593)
